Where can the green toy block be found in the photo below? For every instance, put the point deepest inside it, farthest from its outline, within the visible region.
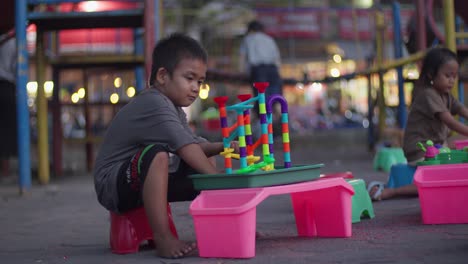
(361, 202)
(386, 157)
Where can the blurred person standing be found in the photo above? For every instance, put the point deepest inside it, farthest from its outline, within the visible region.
(260, 58)
(8, 132)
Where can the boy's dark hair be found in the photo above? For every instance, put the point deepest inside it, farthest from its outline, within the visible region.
(255, 26)
(169, 51)
(432, 62)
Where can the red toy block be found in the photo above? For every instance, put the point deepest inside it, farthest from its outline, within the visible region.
(129, 230)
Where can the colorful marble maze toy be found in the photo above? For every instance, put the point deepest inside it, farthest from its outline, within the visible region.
(243, 131)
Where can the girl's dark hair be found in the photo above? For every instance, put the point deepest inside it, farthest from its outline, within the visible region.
(169, 51)
(434, 59)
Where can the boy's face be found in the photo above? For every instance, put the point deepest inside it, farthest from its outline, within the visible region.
(183, 86)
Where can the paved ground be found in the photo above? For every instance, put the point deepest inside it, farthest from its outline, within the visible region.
(63, 223)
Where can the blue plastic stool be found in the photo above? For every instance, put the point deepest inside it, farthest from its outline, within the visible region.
(400, 174)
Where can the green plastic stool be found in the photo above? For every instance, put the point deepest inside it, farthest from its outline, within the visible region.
(386, 157)
(361, 202)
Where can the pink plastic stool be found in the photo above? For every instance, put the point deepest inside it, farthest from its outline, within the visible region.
(129, 230)
(225, 220)
(443, 193)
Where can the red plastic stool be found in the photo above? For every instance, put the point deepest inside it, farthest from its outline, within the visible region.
(129, 230)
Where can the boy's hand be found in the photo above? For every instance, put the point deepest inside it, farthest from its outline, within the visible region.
(235, 145)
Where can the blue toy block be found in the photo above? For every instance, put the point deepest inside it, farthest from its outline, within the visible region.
(400, 174)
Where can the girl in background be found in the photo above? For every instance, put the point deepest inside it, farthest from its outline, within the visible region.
(431, 115)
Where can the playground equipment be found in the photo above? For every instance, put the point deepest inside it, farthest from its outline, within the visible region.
(423, 11)
(450, 8)
(46, 21)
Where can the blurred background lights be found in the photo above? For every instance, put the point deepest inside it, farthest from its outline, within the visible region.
(365, 123)
(90, 6)
(81, 92)
(316, 87)
(75, 98)
(131, 91)
(299, 86)
(204, 91)
(117, 82)
(348, 114)
(337, 58)
(413, 74)
(48, 88)
(31, 87)
(30, 102)
(334, 72)
(114, 98)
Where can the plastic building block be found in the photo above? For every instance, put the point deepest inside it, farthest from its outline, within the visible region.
(444, 155)
(460, 144)
(386, 157)
(400, 175)
(443, 193)
(453, 157)
(256, 179)
(129, 230)
(225, 220)
(361, 202)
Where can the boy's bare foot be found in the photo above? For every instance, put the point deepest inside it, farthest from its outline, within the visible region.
(171, 247)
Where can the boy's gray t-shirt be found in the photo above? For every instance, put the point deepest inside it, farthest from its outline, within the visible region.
(150, 118)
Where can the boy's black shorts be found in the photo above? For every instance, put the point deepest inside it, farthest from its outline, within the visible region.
(132, 175)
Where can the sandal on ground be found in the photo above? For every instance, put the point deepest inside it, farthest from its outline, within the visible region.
(377, 195)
